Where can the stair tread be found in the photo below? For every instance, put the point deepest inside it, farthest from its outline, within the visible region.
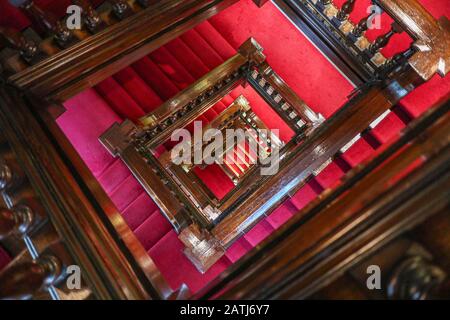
(358, 152)
(152, 229)
(145, 96)
(113, 175)
(177, 269)
(139, 210)
(155, 78)
(119, 99)
(259, 232)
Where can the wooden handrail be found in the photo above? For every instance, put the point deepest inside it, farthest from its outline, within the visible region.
(23, 280)
(108, 51)
(369, 207)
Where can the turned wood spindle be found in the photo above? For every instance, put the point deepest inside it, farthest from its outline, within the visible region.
(12, 38)
(48, 23)
(382, 40)
(91, 18)
(416, 279)
(23, 280)
(120, 8)
(325, 2)
(397, 59)
(6, 177)
(15, 221)
(361, 27)
(346, 9)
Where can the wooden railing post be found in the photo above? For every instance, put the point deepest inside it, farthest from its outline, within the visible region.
(431, 37)
(23, 280)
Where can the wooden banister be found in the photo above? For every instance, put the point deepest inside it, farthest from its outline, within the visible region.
(76, 68)
(368, 208)
(15, 221)
(432, 37)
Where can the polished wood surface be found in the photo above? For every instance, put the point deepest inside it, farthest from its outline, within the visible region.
(432, 38)
(72, 70)
(294, 262)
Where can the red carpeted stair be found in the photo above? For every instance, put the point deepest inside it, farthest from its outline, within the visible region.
(144, 85)
(4, 258)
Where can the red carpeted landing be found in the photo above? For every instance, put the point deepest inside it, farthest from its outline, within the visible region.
(147, 83)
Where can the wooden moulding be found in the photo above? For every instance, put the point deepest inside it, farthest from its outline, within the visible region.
(196, 214)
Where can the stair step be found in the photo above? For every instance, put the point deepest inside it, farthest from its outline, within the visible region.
(87, 116)
(152, 229)
(139, 210)
(210, 34)
(238, 249)
(358, 152)
(184, 54)
(173, 69)
(155, 78)
(329, 175)
(259, 232)
(126, 192)
(303, 196)
(138, 89)
(177, 269)
(119, 100)
(281, 214)
(202, 49)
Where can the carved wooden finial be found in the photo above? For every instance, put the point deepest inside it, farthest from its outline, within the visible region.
(91, 18)
(432, 37)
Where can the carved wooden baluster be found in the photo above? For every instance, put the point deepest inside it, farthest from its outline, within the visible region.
(415, 279)
(16, 221)
(23, 280)
(14, 39)
(45, 21)
(91, 18)
(382, 40)
(361, 27)
(121, 8)
(346, 9)
(397, 59)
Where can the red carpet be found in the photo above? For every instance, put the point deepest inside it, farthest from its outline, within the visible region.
(147, 83)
